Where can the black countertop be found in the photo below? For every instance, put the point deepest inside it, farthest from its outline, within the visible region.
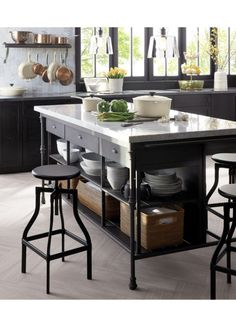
(127, 93)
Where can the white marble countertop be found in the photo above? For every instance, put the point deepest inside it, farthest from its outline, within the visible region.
(196, 127)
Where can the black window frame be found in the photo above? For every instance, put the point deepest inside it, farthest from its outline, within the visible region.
(148, 81)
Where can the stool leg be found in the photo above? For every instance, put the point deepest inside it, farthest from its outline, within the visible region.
(62, 227)
(85, 232)
(38, 190)
(214, 186)
(53, 196)
(228, 244)
(218, 249)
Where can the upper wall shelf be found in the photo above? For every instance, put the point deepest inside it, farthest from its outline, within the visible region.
(36, 46)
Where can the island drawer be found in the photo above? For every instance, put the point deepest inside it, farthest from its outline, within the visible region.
(81, 138)
(114, 152)
(55, 128)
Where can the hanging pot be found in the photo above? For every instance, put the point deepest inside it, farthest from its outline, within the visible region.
(63, 74)
(25, 69)
(52, 68)
(45, 72)
(152, 105)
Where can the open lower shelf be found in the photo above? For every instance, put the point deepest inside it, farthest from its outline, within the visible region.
(183, 196)
(112, 229)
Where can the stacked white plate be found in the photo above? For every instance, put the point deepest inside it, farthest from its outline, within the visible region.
(163, 182)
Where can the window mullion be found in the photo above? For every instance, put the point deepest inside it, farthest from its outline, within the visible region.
(131, 52)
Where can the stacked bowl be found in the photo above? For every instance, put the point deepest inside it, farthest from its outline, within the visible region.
(91, 163)
(163, 182)
(117, 175)
(74, 150)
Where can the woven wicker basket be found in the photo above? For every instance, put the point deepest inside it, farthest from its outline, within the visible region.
(158, 229)
(90, 197)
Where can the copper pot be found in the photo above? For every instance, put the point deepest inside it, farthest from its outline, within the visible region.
(62, 40)
(45, 76)
(69, 80)
(63, 73)
(42, 38)
(38, 69)
(20, 36)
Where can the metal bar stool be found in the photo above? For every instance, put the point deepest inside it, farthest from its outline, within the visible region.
(222, 160)
(56, 173)
(224, 246)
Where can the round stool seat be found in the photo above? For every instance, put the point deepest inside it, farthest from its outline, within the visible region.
(228, 191)
(56, 172)
(225, 158)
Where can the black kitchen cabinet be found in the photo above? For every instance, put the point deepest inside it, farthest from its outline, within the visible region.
(223, 106)
(193, 103)
(10, 141)
(20, 133)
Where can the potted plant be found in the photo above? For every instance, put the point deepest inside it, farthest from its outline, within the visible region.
(115, 78)
(191, 69)
(220, 59)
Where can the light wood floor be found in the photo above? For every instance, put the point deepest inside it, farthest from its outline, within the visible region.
(177, 276)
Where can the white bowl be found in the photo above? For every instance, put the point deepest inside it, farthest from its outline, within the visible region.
(89, 170)
(74, 155)
(92, 160)
(117, 175)
(12, 91)
(61, 146)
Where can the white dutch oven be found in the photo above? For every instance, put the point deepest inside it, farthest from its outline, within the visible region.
(90, 103)
(152, 105)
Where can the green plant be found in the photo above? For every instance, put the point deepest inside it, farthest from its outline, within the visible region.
(116, 72)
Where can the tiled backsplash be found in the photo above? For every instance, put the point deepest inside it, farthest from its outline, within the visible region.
(9, 70)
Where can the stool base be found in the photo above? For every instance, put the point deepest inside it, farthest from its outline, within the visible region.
(224, 248)
(55, 196)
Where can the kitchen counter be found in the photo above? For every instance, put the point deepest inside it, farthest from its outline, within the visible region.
(163, 92)
(177, 145)
(36, 96)
(197, 126)
(126, 93)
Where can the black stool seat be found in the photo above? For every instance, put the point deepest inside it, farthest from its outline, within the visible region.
(228, 191)
(225, 158)
(56, 172)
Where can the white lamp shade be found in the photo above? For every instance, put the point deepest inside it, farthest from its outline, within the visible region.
(163, 47)
(100, 45)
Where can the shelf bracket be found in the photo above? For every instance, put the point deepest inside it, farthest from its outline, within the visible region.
(6, 57)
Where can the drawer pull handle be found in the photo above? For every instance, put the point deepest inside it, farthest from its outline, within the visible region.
(114, 150)
(54, 126)
(80, 137)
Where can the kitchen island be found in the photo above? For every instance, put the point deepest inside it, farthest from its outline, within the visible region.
(182, 145)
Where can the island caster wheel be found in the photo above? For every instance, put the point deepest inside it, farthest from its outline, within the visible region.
(132, 284)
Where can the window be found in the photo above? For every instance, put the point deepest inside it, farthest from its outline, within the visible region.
(166, 66)
(197, 41)
(227, 48)
(131, 50)
(92, 65)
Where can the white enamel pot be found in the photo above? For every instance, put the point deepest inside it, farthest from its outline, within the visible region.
(152, 105)
(25, 69)
(90, 103)
(52, 68)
